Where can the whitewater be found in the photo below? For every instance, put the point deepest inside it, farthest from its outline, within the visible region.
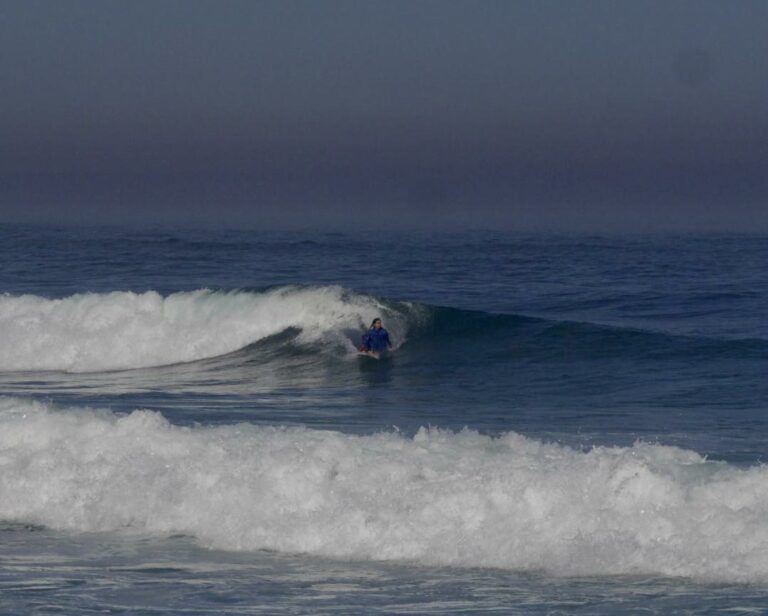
(566, 424)
(437, 498)
(122, 330)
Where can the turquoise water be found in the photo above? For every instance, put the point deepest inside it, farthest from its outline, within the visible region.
(568, 424)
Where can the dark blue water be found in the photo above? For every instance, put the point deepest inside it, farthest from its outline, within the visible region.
(573, 362)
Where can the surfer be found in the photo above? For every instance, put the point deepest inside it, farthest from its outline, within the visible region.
(376, 339)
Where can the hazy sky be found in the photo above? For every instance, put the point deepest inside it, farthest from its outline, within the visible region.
(630, 115)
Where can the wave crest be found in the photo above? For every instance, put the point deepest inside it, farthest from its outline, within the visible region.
(122, 330)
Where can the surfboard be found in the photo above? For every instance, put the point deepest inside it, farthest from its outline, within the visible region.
(373, 354)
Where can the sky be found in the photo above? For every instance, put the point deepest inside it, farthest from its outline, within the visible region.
(564, 115)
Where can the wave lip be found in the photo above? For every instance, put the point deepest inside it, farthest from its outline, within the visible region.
(439, 498)
(122, 330)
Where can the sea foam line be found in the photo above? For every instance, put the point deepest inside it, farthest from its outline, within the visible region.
(437, 498)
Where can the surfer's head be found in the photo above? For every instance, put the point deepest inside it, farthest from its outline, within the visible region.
(376, 324)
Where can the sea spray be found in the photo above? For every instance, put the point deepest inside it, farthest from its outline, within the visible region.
(437, 497)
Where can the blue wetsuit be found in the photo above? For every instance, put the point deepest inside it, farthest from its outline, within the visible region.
(376, 340)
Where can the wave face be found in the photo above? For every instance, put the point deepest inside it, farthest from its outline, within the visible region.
(121, 330)
(439, 498)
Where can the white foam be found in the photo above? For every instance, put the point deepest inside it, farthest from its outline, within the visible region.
(93, 332)
(439, 498)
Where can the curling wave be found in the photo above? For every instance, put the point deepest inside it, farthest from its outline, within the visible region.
(437, 498)
(95, 332)
(121, 330)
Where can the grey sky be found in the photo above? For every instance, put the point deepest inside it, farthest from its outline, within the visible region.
(584, 115)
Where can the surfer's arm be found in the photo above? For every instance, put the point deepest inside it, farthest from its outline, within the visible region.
(365, 344)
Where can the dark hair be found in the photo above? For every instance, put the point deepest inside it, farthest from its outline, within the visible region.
(374, 321)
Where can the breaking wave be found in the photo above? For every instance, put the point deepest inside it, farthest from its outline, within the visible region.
(437, 498)
(121, 330)
(94, 332)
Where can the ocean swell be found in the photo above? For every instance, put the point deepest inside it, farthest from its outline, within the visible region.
(437, 498)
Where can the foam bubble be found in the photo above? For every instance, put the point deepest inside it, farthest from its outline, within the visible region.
(92, 332)
(439, 498)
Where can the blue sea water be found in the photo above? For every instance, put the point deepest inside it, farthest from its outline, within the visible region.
(568, 424)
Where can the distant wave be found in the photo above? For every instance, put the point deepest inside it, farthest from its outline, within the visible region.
(94, 332)
(439, 498)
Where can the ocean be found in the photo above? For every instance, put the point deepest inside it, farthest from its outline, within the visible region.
(568, 424)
